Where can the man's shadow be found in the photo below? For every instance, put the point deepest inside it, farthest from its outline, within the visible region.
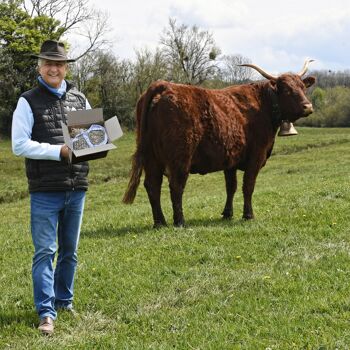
(13, 317)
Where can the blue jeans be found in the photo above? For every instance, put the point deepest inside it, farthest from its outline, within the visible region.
(55, 215)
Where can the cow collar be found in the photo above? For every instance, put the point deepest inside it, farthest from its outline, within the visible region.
(276, 111)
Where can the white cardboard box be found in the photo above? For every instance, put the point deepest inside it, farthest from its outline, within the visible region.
(84, 119)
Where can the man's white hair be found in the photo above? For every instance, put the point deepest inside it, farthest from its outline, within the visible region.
(40, 62)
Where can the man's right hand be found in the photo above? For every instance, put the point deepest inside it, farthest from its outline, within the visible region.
(64, 152)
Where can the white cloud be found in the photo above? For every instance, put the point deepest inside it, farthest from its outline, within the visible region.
(277, 35)
(214, 14)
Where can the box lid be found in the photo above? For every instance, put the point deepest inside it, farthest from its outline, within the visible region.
(85, 116)
(114, 131)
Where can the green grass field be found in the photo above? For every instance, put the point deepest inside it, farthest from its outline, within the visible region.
(280, 281)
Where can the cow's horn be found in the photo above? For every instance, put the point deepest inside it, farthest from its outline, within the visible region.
(306, 66)
(260, 70)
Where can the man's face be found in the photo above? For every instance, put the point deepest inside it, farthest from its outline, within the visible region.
(53, 72)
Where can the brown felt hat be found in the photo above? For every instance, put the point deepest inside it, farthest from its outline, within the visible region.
(54, 51)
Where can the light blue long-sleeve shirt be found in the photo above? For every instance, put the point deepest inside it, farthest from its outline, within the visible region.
(21, 135)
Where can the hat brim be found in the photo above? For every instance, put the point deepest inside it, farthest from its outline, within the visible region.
(54, 58)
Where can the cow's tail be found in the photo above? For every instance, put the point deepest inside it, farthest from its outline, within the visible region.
(135, 176)
(138, 158)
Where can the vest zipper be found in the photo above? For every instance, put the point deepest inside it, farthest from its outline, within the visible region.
(70, 165)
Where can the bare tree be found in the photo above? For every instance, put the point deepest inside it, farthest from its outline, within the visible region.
(190, 53)
(69, 12)
(75, 17)
(328, 78)
(82, 70)
(148, 68)
(232, 73)
(95, 31)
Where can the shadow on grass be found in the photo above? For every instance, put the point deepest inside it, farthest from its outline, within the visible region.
(112, 231)
(217, 222)
(12, 317)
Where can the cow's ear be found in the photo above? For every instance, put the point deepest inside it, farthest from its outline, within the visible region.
(309, 81)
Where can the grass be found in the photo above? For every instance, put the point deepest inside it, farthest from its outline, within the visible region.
(278, 282)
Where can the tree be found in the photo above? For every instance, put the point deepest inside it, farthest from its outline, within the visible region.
(24, 25)
(83, 69)
(20, 35)
(74, 16)
(116, 85)
(332, 108)
(336, 110)
(232, 73)
(108, 85)
(328, 78)
(190, 53)
(318, 97)
(7, 91)
(148, 68)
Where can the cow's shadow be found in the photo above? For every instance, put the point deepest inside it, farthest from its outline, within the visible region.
(216, 222)
(111, 231)
(115, 232)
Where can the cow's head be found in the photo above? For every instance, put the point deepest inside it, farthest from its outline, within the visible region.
(290, 90)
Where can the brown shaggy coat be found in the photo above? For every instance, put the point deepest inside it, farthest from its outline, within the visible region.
(184, 129)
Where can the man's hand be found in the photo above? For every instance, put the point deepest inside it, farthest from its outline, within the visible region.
(64, 151)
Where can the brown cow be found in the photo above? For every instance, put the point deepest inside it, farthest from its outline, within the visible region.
(184, 129)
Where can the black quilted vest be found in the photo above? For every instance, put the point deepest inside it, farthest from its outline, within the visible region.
(48, 111)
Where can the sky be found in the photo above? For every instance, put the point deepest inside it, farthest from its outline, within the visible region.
(276, 35)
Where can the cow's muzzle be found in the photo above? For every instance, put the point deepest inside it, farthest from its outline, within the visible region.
(308, 109)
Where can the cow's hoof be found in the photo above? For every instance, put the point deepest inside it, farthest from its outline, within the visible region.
(227, 215)
(248, 217)
(158, 225)
(179, 224)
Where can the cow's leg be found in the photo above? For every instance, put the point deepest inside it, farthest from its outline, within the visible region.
(177, 182)
(231, 187)
(249, 179)
(153, 183)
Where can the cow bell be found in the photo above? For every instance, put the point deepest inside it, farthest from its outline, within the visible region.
(287, 129)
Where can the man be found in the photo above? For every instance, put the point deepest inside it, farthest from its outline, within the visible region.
(57, 188)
